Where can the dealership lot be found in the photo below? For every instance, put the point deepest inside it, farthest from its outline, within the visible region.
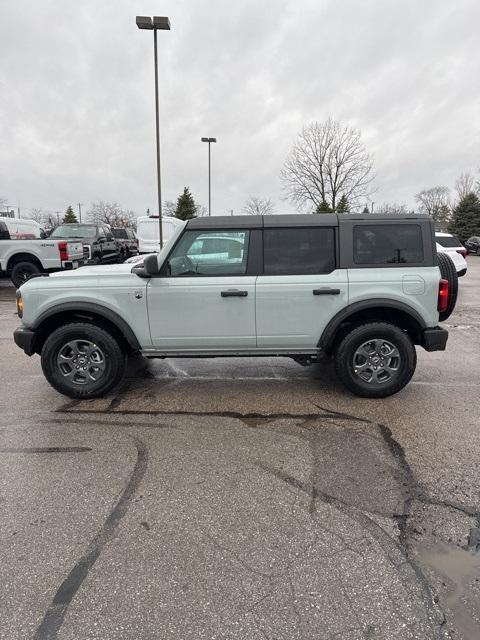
(238, 498)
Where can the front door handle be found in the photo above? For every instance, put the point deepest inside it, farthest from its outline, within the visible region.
(326, 291)
(234, 293)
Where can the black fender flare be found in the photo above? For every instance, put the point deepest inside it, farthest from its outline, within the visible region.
(328, 335)
(96, 309)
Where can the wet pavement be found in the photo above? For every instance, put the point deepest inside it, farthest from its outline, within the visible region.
(242, 498)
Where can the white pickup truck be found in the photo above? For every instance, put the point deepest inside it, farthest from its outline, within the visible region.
(20, 259)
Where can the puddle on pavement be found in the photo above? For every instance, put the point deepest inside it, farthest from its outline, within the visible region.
(460, 591)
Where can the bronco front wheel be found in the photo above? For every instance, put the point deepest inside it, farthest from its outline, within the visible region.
(82, 360)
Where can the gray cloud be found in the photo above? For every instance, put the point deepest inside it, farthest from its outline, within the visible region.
(77, 109)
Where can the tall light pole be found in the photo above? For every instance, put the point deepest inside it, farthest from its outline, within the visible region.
(209, 140)
(80, 212)
(155, 24)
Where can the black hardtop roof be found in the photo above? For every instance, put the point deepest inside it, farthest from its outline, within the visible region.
(293, 220)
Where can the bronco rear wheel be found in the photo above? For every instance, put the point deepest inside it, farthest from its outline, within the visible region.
(82, 360)
(375, 360)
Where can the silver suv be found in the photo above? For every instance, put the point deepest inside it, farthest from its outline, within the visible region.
(363, 289)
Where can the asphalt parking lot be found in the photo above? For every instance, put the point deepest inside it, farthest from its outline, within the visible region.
(238, 498)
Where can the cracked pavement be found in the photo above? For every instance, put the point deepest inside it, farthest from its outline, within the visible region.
(237, 498)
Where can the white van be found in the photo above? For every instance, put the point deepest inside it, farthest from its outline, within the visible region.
(21, 229)
(148, 232)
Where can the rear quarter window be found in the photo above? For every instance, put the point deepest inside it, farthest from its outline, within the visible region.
(388, 244)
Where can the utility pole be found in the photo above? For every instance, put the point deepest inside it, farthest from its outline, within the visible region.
(80, 212)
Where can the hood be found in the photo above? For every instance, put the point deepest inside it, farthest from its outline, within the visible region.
(94, 270)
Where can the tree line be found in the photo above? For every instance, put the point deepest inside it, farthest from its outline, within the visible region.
(327, 170)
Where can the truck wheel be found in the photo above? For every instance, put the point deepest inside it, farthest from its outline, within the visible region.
(448, 272)
(81, 360)
(22, 271)
(375, 360)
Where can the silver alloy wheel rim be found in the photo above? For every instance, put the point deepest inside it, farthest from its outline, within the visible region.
(376, 361)
(81, 362)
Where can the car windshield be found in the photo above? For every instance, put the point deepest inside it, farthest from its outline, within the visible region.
(448, 241)
(74, 231)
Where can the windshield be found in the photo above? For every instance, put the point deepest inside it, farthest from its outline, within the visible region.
(74, 231)
(448, 241)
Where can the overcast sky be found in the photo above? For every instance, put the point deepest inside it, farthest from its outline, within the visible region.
(77, 119)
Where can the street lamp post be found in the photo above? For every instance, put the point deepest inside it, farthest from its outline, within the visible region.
(155, 24)
(209, 140)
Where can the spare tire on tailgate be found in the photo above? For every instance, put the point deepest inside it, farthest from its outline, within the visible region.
(448, 272)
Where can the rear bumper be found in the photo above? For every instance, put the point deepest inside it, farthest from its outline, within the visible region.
(434, 339)
(25, 339)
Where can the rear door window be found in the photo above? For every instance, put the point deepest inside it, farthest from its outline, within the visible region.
(388, 244)
(298, 251)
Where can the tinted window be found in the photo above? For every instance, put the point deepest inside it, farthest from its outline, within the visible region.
(298, 251)
(448, 241)
(387, 244)
(120, 233)
(210, 253)
(4, 233)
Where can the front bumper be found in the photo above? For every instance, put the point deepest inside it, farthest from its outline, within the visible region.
(25, 339)
(434, 339)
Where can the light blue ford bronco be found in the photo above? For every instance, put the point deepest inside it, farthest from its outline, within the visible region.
(363, 289)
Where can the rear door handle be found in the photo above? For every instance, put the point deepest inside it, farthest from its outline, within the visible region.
(326, 291)
(234, 293)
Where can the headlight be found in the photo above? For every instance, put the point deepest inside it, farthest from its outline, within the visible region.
(19, 304)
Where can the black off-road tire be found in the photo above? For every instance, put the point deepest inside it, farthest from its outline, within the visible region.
(346, 350)
(21, 271)
(448, 272)
(114, 358)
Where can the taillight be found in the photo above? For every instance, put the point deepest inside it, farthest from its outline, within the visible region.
(462, 252)
(443, 289)
(62, 247)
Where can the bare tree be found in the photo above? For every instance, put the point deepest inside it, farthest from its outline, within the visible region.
(391, 208)
(38, 215)
(111, 213)
(466, 184)
(435, 202)
(256, 206)
(3, 203)
(168, 208)
(327, 161)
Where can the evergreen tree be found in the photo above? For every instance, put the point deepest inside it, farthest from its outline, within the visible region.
(343, 205)
(465, 221)
(70, 215)
(323, 207)
(186, 208)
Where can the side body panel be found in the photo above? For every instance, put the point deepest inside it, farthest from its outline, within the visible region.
(416, 287)
(191, 313)
(289, 315)
(120, 291)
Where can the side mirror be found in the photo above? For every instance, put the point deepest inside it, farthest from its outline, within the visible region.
(150, 265)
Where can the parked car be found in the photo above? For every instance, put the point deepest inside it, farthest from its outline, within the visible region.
(97, 239)
(20, 259)
(457, 259)
(473, 245)
(126, 241)
(363, 289)
(148, 232)
(450, 243)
